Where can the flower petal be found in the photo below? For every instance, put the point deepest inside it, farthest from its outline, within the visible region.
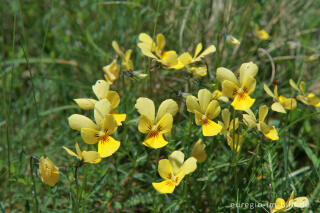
(91, 157)
(229, 88)
(189, 166)
(167, 106)
(185, 58)
(176, 159)
(165, 169)
(108, 147)
(246, 70)
(119, 118)
(77, 122)
(114, 99)
(165, 123)
(161, 41)
(198, 50)
(85, 103)
(272, 134)
(268, 91)
(144, 124)
(164, 187)
(109, 124)
(146, 107)
(49, 173)
(198, 151)
(263, 112)
(226, 117)
(192, 104)
(70, 152)
(226, 74)
(204, 97)
(294, 85)
(156, 141)
(117, 48)
(242, 102)
(288, 103)
(301, 202)
(249, 85)
(101, 88)
(210, 128)
(90, 136)
(209, 50)
(101, 109)
(213, 110)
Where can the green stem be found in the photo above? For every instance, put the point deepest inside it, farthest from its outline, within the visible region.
(35, 196)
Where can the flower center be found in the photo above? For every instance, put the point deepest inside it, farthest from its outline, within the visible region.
(103, 137)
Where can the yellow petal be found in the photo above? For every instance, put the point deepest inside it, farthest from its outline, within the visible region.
(119, 118)
(164, 187)
(272, 134)
(204, 97)
(302, 87)
(275, 91)
(109, 124)
(249, 85)
(246, 70)
(178, 66)
(91, 157)
(70, 152)
(192, 104)
(101, 109)
(165, 169)
(114, 99)
(85, 103)
(77, 122)
(107, 147)
(198, 50)
(238, 141)
(249, 121)
(210, 128)
(90, 136)
(101, 88)
(209, 50)
(263, 112)
(146, 39)
(278, 107)
(49, 173)
(185, 58)
(176, 159)
(242, 102)
(235, 123)
(232, 40)
(165, 124)
(169, 58)
(294, 85)
(155, 141)
(79, 153)
(301, 202)
(145, 49)
(111, 71)
(198, 151)
(279, 206)
(198, 117)
(288, 103)
(145, 106)
(226, 117)
(167, 106)
(268, 91)
(213, 110)
(225, 74)
(117, 48)
(178, 177)
(303, 99)
(161, 41)
(229, 88)
(189, 166)
(313, 100)
(144, 124)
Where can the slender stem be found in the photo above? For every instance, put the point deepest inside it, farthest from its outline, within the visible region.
(36, 206)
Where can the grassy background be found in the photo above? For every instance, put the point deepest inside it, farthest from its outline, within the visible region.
(53, 51)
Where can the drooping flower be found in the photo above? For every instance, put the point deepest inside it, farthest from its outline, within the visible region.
(205, 110)
(155, 126)
(101, 90)
(308, 99)
(232, 40)
(100, 131)
(156, 51)
(84, 156)
(239, 90)
(198, 151)
(217, 95)
(193, 63)
(126, 62)
(250, 120)
(173, 170)
(49, 173)
(298, 202)
(261, 34)
(281, 103)
(229, 132)
(111, 72)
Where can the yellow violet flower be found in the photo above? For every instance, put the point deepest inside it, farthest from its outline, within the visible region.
(100, 131)
(49, 173)
(101, 90)
(232, 40)
(261, 34)
(281, 103)
(205, 110)
(126, 62)
(198, 151)
(251, 121)
(308, 99)
(217, 95)
(156, 51)
(298, 202)
(84, 156)
(111, 72)
(191, 62)
(239, 90)
(173, 170)
(155, 126)
(228, 130)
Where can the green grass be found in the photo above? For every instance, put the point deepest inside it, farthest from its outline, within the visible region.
(54, 51)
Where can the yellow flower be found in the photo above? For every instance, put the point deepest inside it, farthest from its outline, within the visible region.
(232, 40)
(191, 62)
(228, 130)
(111, 72)
(49, 173)
(155, 126)
(84, 156)
(281, 103)
(250, 120)
(156, 51)
(239, 90)
(100, 131)
(126, 62)
(308, 99)
(282, 206)
(173, 170)
(217, 95)
(198, 151)
(261, 34)
(205, 110)
(101, 90)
